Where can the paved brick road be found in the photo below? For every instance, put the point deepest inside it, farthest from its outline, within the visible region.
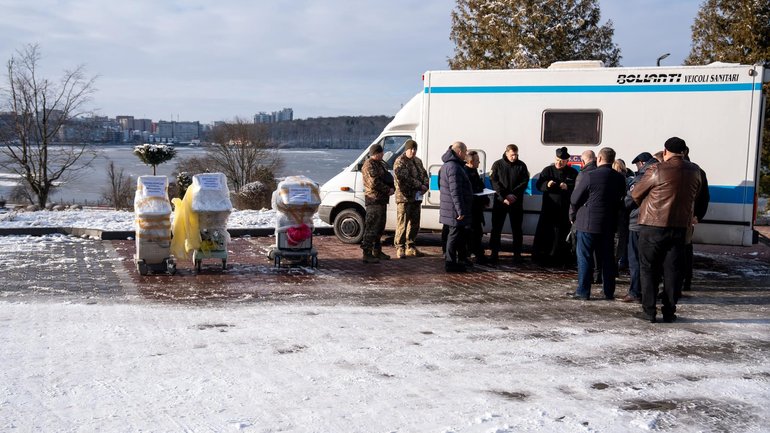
(104, 271)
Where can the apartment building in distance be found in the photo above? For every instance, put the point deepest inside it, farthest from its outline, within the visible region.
(284, 115)
(178, 132)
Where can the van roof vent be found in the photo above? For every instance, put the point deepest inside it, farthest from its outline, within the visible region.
(577, 64)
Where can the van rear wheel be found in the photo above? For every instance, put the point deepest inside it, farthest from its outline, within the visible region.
(349, 226)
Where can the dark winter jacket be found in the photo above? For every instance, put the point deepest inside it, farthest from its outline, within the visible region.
(509, 178)
(598, 197)
(456, 191)
(633, 216)
(591, 166)
(477, 185)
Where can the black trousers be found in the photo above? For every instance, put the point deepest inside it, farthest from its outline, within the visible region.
(515, 215)
(456, 244)
(688, 258)
(661, 256)
(476, 234)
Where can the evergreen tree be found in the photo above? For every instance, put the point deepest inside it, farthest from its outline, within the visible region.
(735, 31)
(154, 154)
(503, 34)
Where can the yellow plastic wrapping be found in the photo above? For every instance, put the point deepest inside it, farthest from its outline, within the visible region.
(187, 236)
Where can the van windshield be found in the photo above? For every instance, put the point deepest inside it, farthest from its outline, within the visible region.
(393, 146)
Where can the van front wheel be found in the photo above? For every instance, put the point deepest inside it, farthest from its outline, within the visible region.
(349, 226)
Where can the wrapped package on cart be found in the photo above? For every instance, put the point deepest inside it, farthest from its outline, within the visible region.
(295, 201)
(200, 220)
(153, 226)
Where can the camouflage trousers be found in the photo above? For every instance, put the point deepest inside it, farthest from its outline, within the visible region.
(408, 224)
(374, 226)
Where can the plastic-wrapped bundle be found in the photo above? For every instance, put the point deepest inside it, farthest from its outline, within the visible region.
(295, 201)
(151, 196)
(210, 193)
(153, 220)
(152, 209)
(200, 218)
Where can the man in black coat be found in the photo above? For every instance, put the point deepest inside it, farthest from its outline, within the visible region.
(455, 205)
(597, 198)
(509, 178)
(556, 182)
(480, 202)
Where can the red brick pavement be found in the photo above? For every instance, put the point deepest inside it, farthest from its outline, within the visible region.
(342, 277)
(341, 274)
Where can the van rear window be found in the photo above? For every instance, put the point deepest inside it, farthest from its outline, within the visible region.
(571, 127)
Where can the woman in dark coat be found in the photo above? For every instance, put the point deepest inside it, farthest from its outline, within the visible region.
(556, 183)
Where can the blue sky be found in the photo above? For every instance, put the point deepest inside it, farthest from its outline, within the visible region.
(207, 61)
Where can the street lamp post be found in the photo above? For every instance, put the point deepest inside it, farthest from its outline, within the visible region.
(662, 57)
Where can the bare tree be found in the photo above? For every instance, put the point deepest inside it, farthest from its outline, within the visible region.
(43, 113)
(120, 191)
(241, 150)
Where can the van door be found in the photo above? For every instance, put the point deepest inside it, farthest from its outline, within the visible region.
(433, 198)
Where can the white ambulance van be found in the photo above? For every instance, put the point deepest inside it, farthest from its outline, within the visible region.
(717, 109)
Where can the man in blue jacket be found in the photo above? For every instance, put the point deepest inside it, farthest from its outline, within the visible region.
(597, 198)
(456, 201)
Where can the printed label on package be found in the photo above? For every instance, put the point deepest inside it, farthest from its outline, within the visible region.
(299, 195)
(210, 181)
(154, 187)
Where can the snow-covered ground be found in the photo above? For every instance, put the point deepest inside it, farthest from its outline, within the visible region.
(110, 220)
(124, 364)
(305, 368)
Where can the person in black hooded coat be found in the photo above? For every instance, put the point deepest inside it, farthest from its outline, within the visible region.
(557, 181)
(455, 205)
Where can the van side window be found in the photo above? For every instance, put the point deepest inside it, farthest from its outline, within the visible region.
(393, 146)
(562, 127)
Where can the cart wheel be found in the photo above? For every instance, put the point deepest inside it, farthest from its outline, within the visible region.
(224, 264)
(270, 255)
(170, 266)
(314, 261)
(142, 267)
(198, 265)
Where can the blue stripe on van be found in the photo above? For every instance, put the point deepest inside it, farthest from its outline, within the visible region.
(726, 87)
(718, 193)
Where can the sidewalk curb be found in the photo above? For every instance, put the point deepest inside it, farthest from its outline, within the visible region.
(106, 235)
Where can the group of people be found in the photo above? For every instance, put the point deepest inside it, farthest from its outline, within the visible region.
(604, 215)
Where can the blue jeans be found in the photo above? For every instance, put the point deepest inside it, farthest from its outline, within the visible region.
(634, 288)
(603, 245)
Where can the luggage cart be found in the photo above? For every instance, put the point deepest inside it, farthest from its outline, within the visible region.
(301, 252)
(153, 226)
(214, 238)
(295, 201)
(211, 203)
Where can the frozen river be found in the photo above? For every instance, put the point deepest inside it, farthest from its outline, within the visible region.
(317, 164)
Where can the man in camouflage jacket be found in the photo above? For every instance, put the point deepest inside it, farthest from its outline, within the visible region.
(411, 183)
(378, 187)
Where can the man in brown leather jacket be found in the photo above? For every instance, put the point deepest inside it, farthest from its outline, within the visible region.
(667, 196)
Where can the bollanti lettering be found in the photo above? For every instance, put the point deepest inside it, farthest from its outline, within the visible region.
(649, 78)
